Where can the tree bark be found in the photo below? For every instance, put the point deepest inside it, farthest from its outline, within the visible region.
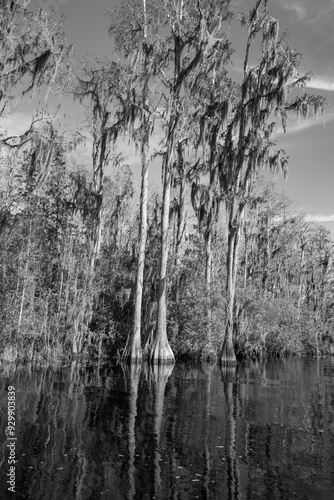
(25, 278)
(301, 269)
(180, 221)
(100, 156)
(208, 266)
(161, 351)
(228, 355)
(208, 351)
(133, 350)
(246, 258)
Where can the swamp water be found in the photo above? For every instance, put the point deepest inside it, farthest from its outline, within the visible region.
(265, 431)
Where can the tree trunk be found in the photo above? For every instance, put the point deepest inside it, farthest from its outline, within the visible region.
(97, 237)
(208, 265)
(208, 351)
(133, 350)
(161, 351)
(25, 278)
(228, 355)
(246, 258)
(180, 222)
(301, 269)
(100, 155)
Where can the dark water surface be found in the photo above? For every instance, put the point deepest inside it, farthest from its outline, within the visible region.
(265, 431)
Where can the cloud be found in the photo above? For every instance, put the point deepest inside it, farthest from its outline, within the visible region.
(320, 217)
(296, 125)
(15, 124)
(321, 83)
(325, 12)
(299, 7)
(308, 11)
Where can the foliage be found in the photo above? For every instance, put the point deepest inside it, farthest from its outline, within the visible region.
(33, 49)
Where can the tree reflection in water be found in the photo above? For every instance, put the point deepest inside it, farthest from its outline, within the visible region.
(208, 369)
(159, 375)
(264, 431)
(132, 375)
(230, 390)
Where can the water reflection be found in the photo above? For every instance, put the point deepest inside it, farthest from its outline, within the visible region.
(230, 391)
(208, 368)
(159, 375)
(132, 376)
(262, 431)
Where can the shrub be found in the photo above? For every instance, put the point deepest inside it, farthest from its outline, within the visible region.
(277, 327)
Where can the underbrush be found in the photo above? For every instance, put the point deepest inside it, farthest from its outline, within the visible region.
(191, 332)
(267, 327)
(277, 327)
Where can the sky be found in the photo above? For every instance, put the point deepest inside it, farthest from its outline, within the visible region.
(309, 144)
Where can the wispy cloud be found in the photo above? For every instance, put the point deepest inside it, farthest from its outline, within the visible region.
(320, 217)
(15, 124)
(298, 7)
(296, 125)
(308, 11)
(321, 83)
(323, 13)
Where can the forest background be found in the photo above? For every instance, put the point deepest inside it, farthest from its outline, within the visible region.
(216, 263)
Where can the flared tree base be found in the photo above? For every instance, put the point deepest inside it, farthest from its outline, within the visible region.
(227, 357)
(161, 352)
(133, 352)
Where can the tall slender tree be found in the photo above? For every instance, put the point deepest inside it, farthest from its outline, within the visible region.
(193, 49)
(206, 200)
(142, 51)
(247, 145)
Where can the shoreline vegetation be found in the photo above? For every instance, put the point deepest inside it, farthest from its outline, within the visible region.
(218, 265)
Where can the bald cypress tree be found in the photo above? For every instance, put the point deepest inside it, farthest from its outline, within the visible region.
(173, 40)
(135, 30)
(194, 48)
(246, 145)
